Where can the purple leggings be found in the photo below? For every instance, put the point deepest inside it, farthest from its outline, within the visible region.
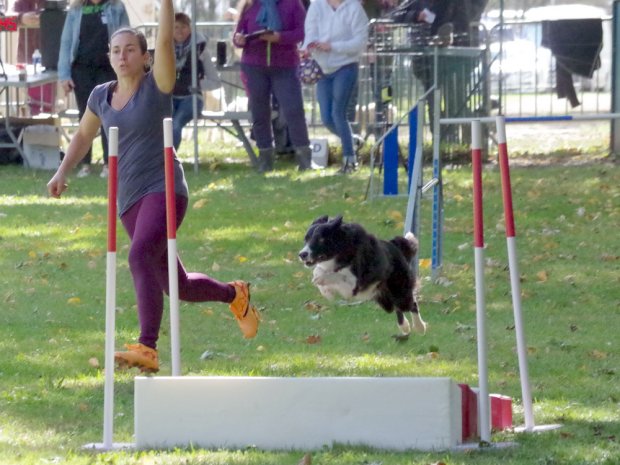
(145, 222)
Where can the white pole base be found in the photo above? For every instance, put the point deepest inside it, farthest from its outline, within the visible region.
(537, 428)
(297, 413)
(100, 447)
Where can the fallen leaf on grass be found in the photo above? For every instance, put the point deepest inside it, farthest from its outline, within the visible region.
(313, 339)
(313, 306)
(542, 276)
(199, 204)
(93, 362)
(425, 263)
(74, 300)
(395, 215)
(597, 354)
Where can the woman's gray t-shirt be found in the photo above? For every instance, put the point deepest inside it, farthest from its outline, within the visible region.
(140, 140)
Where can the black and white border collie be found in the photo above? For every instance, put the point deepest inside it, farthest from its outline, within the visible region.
(350, 262)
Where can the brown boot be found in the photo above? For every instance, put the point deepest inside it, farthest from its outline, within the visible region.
(246, 314)
(139, 356)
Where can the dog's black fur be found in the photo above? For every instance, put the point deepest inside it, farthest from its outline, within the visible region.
(355, 264)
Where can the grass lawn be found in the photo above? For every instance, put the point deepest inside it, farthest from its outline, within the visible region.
(241, 225)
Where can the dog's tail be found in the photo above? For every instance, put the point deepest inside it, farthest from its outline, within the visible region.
(408, 245)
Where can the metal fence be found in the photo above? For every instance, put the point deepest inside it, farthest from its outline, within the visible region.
(402, 62)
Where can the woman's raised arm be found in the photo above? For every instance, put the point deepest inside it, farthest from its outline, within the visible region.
(164, 68)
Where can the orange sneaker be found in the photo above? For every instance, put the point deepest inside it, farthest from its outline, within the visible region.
(139, 356)
(246, 314)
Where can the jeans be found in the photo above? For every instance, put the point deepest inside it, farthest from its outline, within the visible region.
(283, 83)
(182, 113)
(333, 93)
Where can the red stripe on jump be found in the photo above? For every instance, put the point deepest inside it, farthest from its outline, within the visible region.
(171, 209)
(476, 164)
(506, 190)
(112, 193)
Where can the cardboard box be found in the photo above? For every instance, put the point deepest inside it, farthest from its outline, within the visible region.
(41, 145)
(320, 153)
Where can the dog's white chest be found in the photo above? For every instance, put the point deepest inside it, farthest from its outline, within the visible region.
(342, 282)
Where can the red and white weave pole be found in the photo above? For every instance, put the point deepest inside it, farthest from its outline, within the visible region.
(110, 291)
(171, 225)
(513, 265)
(483, 372)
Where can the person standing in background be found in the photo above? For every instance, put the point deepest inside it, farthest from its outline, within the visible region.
(83, 59)
(336, 34)
(41, 98)
(269, 33)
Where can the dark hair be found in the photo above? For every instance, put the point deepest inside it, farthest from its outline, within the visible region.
(182, 18)
(138, 34)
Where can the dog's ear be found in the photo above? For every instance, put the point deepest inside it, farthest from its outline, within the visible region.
(321, 220)
(336, 222)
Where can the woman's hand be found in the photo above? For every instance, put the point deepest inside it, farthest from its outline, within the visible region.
(272, 36)
(239, 39)
(322, 46)
(67, 85)
(57, 185)
(30, 19)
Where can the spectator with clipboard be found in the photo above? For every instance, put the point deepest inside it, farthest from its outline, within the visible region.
(269, 33)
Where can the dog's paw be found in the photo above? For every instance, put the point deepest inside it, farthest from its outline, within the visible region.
(405, 327)
(400, 337)
(419, 326)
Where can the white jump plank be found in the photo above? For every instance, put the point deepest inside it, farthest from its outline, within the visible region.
(297, 413)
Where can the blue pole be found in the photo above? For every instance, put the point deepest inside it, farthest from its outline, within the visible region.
(413, 143)
(390, 163)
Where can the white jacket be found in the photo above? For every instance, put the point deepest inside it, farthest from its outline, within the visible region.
(345, 28)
